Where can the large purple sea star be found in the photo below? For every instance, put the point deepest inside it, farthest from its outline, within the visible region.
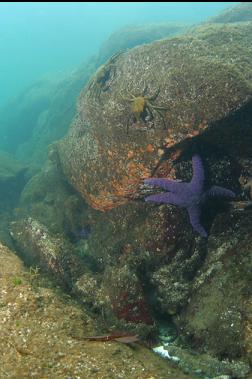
(187, 195)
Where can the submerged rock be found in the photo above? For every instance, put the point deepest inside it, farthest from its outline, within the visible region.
(145, 109)
(48, 198)
(145, 259)
(53, 254)
(119, 137)
(204, 365)
(237, 13)
(218, 315)
(42, 334)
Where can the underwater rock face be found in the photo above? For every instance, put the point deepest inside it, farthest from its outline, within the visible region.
(143, 102)
(121, 135)
(218, 317)
(127, 297)
(240, 12)
(43, 334)
(204, 365)
(113, 145)
(50, 253)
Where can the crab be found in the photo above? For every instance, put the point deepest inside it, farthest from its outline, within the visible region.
(99, 83)
(143, 107)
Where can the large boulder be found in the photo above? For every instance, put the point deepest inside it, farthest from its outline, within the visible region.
(115, 141)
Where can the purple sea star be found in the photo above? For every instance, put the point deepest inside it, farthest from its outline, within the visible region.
(187, 195)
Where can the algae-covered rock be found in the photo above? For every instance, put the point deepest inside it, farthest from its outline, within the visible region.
(127, 296)
(203, 365)
(173, 281)
(196, 79)
(48, 198)
(43, 332)
(145, 113)
(88, 290)
(52, 253)
(217, 318)
(237, 13)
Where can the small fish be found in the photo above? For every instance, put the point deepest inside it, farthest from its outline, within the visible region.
(115, 337)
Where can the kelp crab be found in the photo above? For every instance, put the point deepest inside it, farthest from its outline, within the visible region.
(143, 107)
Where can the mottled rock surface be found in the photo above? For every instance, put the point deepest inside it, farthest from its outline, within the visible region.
(48, 198)
(217, 316)
(143, 262)
(203, 79)
(52, 253)
(42, 335)
(200, 78)
(204, 365)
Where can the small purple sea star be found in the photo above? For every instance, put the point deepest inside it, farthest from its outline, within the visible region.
(187, 195)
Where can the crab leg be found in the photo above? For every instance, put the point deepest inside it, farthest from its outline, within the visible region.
(153, 97)
(159, 108)
(161, 116)
(150, 111)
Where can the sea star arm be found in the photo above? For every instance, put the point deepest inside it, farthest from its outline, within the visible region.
(194, 214)
(220, 191)
(197, 181)
(166, 184)
(167, 197)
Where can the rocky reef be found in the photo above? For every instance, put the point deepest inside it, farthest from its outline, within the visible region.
(217, 316)
(137, 265)
(197, 79)
(160, 118)
(43, 334)
(238, 13)
(50, 253)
